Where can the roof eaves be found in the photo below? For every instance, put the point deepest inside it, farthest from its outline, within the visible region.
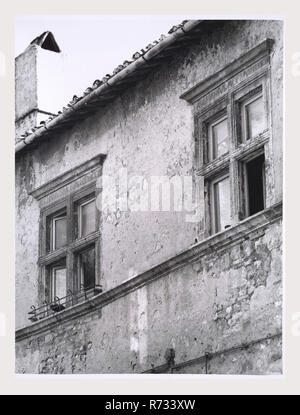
(102, 89)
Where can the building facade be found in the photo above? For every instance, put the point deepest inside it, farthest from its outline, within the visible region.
(149, 210)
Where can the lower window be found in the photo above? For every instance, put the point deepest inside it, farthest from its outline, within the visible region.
(57, 281)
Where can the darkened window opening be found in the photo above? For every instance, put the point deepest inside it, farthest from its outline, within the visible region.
(220, 203)
(255, 180)
(56, 231)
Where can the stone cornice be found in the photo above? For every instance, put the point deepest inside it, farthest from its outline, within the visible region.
(214, 243)
(67, 177)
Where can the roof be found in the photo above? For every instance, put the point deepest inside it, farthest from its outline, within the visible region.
(105, 90)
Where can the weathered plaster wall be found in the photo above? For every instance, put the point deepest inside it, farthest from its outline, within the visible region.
(225, 299)
(222, 300)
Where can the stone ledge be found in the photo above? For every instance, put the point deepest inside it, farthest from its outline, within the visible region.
(216, 242)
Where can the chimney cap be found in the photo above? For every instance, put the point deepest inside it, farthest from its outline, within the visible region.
(46, 41)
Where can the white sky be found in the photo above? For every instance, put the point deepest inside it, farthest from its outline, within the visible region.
(92, 45)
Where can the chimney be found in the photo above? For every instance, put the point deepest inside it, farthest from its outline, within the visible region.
(37, 82)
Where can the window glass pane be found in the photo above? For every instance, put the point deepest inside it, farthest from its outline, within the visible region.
(88, 219)
(220, 139)
(59, 283)
(255, 117)
(60, 232)
(87, 268)
(222, 204)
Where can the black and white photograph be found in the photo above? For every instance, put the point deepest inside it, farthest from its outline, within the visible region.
(148, 192)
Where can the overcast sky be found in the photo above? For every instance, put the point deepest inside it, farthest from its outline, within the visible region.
(92, 45)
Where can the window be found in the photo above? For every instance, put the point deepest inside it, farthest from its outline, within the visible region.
(220, 204)
(243, 150)
(246, 113)
(253, 117)
(254, 185)
(233, 140)
(69, 242)
(56, 231)
(69, 239)
(57, 284)
(86, 268)
(218, 138)
(86, 217)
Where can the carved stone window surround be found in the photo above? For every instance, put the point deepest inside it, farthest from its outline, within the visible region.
(221, 95)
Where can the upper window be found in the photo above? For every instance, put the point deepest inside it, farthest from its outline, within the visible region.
(57, 281)
(86, 267)
(220, 203)
(254, 184)
(86, 217)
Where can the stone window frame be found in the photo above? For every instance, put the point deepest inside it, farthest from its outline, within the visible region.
(68, 202)
(221, 95)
